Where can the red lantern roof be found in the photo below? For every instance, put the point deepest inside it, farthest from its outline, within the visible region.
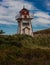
(24, 11)
(24, 14)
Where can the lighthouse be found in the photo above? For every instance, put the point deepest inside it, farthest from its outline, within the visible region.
(24, 22)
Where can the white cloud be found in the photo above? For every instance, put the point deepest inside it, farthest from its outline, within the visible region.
(14, 6)
(2, 10)
(42, 14)
(47, 4)
(7, 15)
(7, 23)
(44, 21)
(17, 4)
(42, 17)
(12, 0)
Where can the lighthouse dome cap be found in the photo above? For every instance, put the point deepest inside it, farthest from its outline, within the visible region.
(24, 9)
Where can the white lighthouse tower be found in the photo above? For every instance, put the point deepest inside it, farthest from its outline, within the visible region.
(24, 22)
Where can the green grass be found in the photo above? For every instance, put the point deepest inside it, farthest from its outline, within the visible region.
(24, 50)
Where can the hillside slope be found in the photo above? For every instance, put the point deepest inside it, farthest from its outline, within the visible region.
(24, 50)
(46, 31)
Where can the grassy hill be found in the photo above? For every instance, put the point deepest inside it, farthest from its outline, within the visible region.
(46, 31)
(24, 50)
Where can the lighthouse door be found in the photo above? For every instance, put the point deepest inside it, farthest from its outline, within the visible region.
(26, 31)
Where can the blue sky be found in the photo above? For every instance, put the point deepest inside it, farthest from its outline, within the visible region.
(40, 9)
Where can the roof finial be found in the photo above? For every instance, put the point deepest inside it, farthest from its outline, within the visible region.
(23, 6)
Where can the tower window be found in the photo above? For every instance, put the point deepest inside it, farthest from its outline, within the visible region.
(25, 24)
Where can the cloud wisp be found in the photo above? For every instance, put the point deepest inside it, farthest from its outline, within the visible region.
(42, 17)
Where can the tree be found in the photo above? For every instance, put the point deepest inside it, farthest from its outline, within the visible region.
(1, 32)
